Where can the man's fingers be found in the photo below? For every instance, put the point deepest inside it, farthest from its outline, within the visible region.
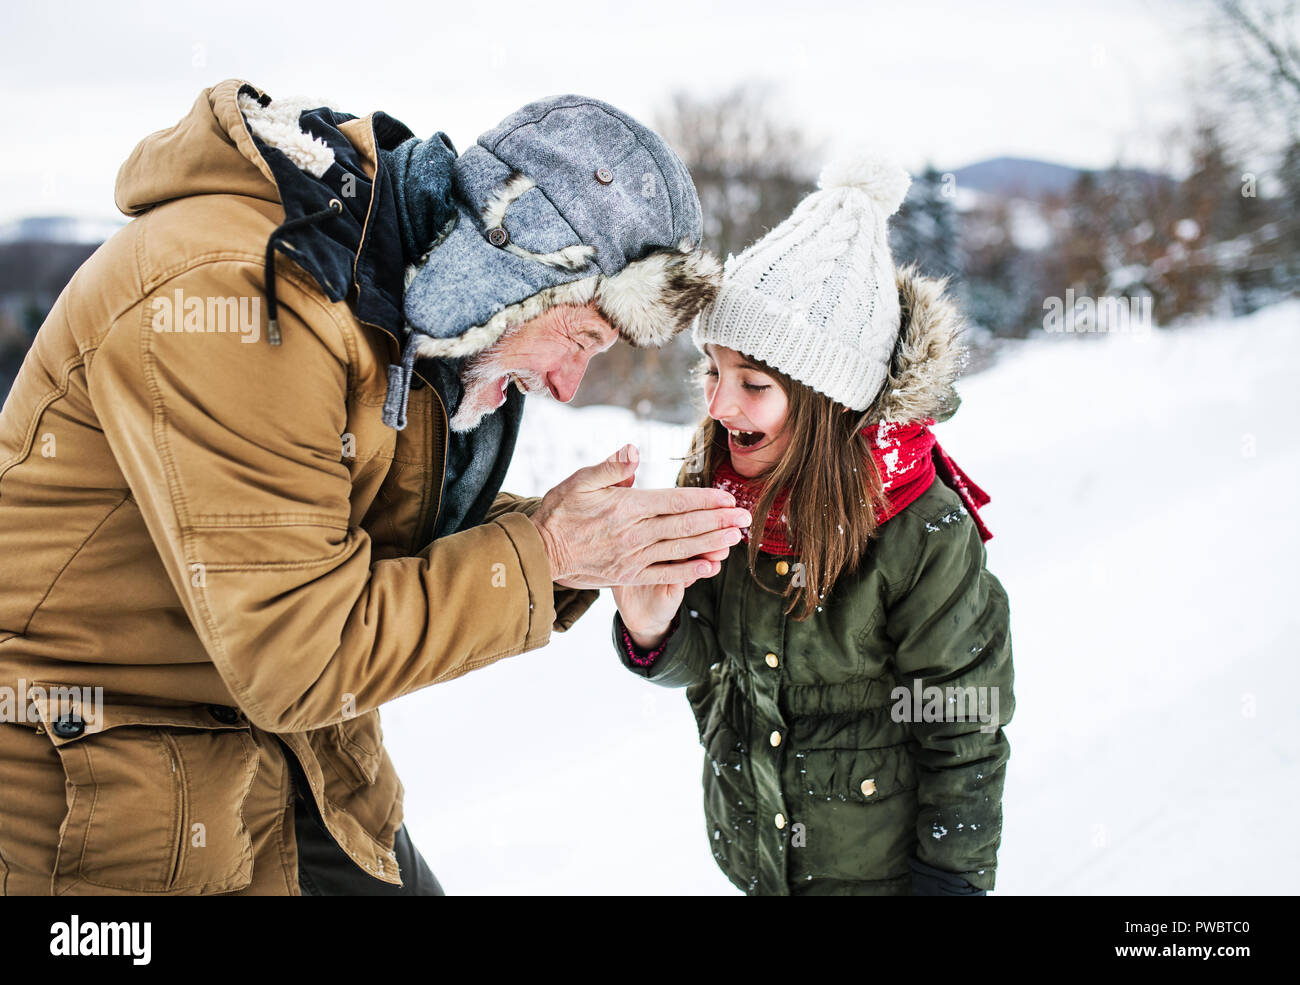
(619, 468)
(613, 471)
(693, 524)
(718, 555)
(684, 548)
(670, 573)
(671, 503)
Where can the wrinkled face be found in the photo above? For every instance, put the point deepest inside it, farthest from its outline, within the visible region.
(746, 399)
(549, 353)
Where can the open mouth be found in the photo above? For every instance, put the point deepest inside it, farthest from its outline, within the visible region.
(744, 439)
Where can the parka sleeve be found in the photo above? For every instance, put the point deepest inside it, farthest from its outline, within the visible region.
(950, 623)
(232, 453)
(570, 603)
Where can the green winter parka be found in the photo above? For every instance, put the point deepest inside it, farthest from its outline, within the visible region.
(829, 767)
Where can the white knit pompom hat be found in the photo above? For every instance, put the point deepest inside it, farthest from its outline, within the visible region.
(817, 297)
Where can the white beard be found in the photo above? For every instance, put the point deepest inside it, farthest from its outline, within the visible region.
(480, 381)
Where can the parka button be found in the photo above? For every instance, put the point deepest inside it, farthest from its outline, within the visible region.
(780, 820)
(498, 236)
(771, 660)
(225, 715)
(604, 175)
(68, 726)
(868, 787)
(775, 739)
(782, 567)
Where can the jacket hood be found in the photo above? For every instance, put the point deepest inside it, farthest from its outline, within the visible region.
(209, 151)
(929, 355)
(318, 163)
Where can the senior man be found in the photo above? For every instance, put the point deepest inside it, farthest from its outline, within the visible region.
(250, 479)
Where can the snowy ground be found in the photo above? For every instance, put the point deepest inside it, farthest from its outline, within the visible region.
(1144, 513)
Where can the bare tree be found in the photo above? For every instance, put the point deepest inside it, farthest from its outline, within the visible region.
(750, 167)
(1261, 64)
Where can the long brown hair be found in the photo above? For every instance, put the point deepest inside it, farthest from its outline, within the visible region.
(835, 488)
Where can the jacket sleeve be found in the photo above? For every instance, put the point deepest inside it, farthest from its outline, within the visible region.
(233, 454)
(570, 603)
(950, 623)
(690, 649)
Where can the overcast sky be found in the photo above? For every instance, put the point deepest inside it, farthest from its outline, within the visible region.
(1074, 82)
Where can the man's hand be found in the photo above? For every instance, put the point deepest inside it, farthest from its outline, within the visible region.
(600, 532)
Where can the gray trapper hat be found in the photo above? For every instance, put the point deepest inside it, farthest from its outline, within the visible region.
(566, 201)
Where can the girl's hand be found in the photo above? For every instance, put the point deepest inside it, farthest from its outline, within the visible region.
(648, 610)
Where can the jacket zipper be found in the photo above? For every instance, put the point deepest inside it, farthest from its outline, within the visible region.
(424, 531)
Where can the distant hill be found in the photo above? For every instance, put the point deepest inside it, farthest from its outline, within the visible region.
(1022, 177)
(59, 229)
(39, 270)
(31, 276)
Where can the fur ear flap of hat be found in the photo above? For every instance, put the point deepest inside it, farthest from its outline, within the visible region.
(652, 299)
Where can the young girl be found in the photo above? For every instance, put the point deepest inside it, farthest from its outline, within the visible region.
(849, 669)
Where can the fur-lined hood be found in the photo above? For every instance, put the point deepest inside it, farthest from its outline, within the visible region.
(929, 356)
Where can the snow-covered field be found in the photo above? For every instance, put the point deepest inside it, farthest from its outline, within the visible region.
(1145, 526)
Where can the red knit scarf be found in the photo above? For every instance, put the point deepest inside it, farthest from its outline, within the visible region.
(907, 457)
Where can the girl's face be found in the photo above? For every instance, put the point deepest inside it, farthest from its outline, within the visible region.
(743, 398)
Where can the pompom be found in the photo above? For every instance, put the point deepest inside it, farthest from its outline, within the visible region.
(877, 174)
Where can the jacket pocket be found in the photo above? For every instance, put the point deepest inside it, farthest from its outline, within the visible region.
(856, 775)
(854, 820)
(155, 797)
(360, 744)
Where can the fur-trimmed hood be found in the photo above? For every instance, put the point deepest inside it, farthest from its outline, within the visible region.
(929, 356)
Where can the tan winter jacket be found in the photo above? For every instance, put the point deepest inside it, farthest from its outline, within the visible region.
(224, 537)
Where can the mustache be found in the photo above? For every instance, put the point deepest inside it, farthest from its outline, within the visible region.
(528, 381)
(489, 370)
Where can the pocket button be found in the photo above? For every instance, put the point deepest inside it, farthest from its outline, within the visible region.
(224, 714)
(68, 726)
